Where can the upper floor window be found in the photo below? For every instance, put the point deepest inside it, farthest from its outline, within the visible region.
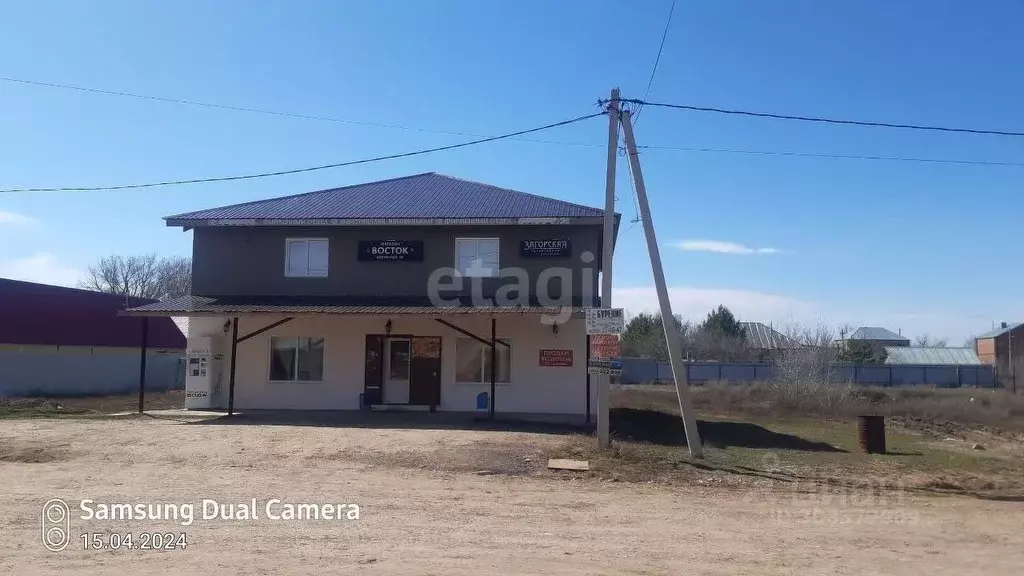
(305, 257)
(477, 257)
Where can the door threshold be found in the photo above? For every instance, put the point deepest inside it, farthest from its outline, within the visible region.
(400, 407)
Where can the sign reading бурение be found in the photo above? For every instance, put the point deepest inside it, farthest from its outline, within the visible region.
(605, 321)
(390, 250)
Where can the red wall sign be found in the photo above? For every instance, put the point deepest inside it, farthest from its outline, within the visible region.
(549, 357)
(604, 346)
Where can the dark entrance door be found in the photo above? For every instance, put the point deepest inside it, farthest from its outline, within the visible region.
(425, 371)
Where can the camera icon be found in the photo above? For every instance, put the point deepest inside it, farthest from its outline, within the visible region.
(56, 525)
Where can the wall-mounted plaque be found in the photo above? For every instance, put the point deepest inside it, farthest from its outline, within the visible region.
(545, 247)
(390, 250)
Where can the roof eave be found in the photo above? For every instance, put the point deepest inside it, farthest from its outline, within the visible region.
(187, 223)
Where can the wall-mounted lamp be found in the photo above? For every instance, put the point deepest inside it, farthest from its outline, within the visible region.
(227, 326)
(387, 327)
(554, 329)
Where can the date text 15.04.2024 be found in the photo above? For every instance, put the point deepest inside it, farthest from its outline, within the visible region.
(133, 541)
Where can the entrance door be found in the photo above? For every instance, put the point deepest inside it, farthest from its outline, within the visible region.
(425, 377)
(397, 361)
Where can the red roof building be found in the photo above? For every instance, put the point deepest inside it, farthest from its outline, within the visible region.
(45, 315)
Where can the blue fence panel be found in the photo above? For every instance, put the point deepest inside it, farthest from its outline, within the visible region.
(643, 370)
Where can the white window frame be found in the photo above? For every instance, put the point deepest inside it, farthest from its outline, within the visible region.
(458, 268)
(288, 252)
(270, 359)
(486, 350)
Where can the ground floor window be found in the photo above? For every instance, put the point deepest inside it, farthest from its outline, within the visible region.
(473, 362)
(296, 359)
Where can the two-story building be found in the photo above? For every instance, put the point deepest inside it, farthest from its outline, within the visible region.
(423, 292)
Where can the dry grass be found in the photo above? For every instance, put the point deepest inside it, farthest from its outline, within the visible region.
(989, 408)
(87, 405)
(748, 433)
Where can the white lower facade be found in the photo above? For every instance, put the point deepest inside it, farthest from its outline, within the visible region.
(339, 378)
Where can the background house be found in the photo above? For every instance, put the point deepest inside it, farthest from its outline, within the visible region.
(764, 342)
(879, 336)
(64, 341)
(1004, 349)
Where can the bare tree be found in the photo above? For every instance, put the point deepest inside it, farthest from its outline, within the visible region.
(926, 341)
(804, 374)
(971, 342)
(174, 276)
(141, 276)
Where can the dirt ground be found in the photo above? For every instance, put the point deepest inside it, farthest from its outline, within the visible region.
(454, 502)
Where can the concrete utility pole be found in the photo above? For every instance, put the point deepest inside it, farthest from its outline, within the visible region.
(604, 381)
(667, 319)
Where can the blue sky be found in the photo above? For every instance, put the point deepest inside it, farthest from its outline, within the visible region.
(925, 248)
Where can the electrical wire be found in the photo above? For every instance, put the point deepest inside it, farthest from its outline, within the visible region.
(636, 206)
(657, 59)
(821, 119)
(265, 111)
(834, 156)
(310, 168)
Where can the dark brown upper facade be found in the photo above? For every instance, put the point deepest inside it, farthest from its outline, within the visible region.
(252, 261)
(403, 240)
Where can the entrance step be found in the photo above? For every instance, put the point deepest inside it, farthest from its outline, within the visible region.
(400, 407)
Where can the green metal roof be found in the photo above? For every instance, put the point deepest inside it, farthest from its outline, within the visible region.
(914, 355)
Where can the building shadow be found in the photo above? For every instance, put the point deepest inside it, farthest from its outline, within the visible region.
(667, 429)
(389, 420)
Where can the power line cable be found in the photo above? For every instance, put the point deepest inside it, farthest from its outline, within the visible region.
(835, 156)
(657, 59)
(821, 119)
(310, 168)
(265, 111)
(632, 185)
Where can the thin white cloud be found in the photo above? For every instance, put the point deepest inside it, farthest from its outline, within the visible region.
(721, 247)
(783, 311)
(43, 268)
(694, 304)
(15, 219)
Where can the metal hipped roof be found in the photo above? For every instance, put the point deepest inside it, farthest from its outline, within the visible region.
(875, 333)
(207, 306)
(763, 337)
(419, 199)
(1001, 331)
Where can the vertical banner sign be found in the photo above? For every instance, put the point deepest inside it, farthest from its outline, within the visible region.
(604, 326)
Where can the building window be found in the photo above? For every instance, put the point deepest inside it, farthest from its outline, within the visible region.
(296, 359)
(477, 257)
(305, 257)
(473, 362)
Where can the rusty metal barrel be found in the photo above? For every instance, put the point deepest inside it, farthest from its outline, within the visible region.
(871, 434)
